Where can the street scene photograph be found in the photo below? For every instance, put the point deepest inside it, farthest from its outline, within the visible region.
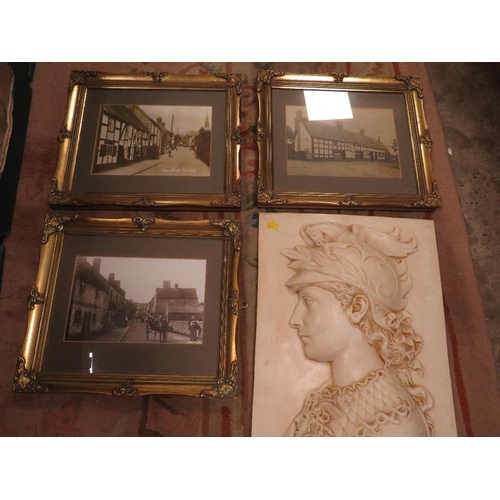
(153, 140)
(137, 300)
(362, 146)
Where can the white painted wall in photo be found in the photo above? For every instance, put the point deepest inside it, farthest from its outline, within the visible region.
(284, 376)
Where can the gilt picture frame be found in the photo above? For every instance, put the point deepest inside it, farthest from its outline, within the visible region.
(367, 145)
(133, 307)
(150, 140)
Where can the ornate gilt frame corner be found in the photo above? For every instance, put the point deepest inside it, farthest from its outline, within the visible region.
(30, 377)
(63, 193)
(426, 196)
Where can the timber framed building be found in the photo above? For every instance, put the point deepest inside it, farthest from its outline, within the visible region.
(127, 135)
(316, 140)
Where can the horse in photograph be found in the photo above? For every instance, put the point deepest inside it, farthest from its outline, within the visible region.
(157, 326)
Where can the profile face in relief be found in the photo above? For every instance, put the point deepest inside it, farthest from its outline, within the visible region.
(351, 284)
(322, 324)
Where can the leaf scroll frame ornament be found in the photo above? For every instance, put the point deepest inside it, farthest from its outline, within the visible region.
(78, 77)
(57, 197)
(34, 298)
(237, 137)
(25, 381)
(431, 200)
(266, 195)
(54, 224)
(412, 83)
(143, 223)
(144, 202)
(265, 77)
(126, 389)
(234, 303)
(233, 80)
(425, 139)
(64, 133)
(230, 199)
(232, 228)
(349, 201)
(338, 77)
(157, 76)
(226, 386)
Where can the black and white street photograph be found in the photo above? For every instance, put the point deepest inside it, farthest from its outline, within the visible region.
(153, 140)
(137, 300)
(362, 146)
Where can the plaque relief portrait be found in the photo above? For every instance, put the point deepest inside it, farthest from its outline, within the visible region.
(354, 342)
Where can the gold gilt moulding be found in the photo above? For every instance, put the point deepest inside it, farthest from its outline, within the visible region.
(340, 141)
(130, 307)
(152, 139)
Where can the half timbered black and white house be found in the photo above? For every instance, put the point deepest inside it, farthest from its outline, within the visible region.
(316, 140)
(126, 134)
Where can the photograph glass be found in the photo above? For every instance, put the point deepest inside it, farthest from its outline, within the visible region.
(137, 300)
(360, 148)
(153, 140)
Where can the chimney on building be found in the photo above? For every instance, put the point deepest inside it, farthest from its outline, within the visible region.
(340, 125)
(176, 286)
(96, 265)
(111, 277)
(362, 131)
(378, 139)
(166, 284)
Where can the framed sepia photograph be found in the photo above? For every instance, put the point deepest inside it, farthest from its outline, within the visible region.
(150, 139)
(354, 341)
(132, 307)
(334, 141)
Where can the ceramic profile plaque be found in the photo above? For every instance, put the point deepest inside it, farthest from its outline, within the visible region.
(353, 342)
